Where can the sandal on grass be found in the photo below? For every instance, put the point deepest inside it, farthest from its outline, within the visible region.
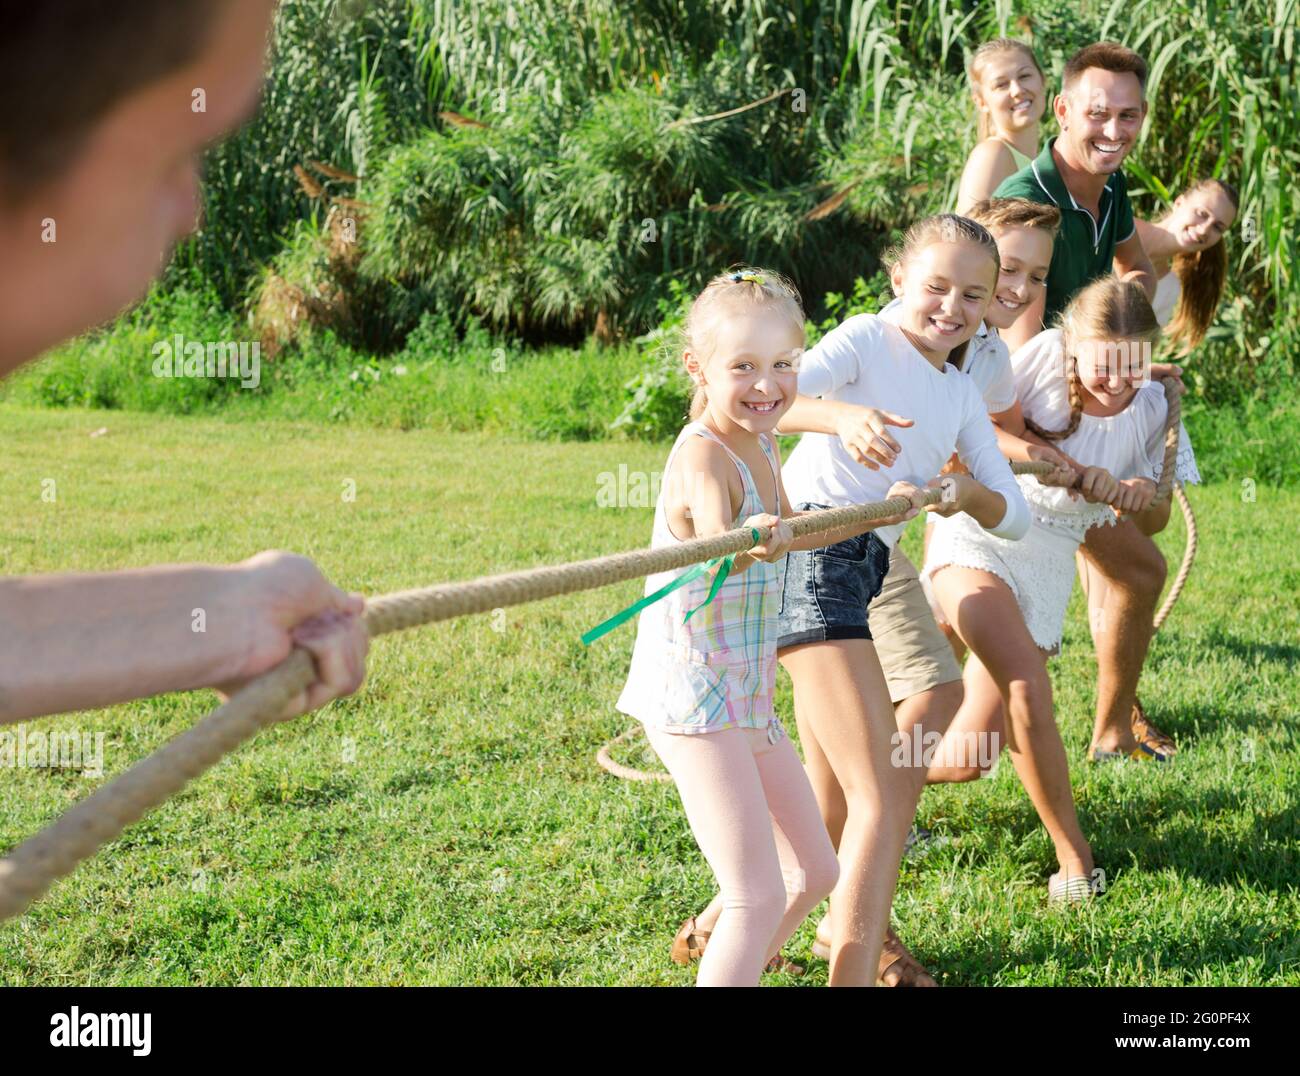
(779, 964)
(1148, 734)
(1075, 888)
(1141, 753)
(916, 837)
(690, 943)
(897, 967)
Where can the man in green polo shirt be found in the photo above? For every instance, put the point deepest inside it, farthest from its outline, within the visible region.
(1100, 110)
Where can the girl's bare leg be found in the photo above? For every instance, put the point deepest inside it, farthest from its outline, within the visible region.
(954, 640)
(1122, 572)
(846, 724)
(984, 611)
(977, 734)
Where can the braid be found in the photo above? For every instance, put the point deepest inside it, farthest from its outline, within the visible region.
(1076, 406)
(1076, 398)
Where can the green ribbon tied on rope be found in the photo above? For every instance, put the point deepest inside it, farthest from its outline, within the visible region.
(727, 563)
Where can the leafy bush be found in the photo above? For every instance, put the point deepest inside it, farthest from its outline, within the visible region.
(658, 398)
(333, 61)
(513, 157)
(113, 367)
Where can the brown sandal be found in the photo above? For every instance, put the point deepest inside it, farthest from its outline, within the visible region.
(1148, 735)
(894, 957)
(690, 943)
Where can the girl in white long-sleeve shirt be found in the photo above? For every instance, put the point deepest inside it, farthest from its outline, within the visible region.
(945, 274)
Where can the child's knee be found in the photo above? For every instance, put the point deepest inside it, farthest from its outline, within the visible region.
(1029, 699)
(761, 903)
(955, 774)
(818, 876)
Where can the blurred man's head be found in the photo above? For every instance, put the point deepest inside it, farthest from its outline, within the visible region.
(107, 116)
(1101, 106)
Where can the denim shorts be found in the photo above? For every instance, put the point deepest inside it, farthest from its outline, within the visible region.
(827, 590)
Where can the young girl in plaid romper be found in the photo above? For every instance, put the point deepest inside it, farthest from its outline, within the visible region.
(703, 686)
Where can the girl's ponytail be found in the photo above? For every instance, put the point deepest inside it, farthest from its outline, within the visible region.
(699, 401)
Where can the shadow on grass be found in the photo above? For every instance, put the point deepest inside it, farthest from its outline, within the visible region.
(1252, 652)
(1177, 832)
(1236, 936)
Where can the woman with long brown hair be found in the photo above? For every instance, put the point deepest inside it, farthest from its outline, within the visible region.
(1191, 262)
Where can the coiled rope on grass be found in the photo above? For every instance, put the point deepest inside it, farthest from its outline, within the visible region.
(55, 851)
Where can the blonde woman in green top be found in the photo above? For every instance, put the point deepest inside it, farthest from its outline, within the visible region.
(1010, 94)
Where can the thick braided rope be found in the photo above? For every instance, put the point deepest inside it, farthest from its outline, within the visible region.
(30, 869)
(1189, 555)
(628, 773)
(1173, 417)
(1168, 485)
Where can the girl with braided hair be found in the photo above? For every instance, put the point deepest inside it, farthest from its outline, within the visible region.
(1187, 247)
(1084, 388)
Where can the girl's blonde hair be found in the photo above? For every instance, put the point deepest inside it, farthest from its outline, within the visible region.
(1107, 309)
(975, 73)
(1202, 275)
(736, 291)
(944, 228)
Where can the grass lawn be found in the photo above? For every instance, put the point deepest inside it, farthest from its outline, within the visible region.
(450, 825)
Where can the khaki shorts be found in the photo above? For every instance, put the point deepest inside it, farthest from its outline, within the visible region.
(914, 653)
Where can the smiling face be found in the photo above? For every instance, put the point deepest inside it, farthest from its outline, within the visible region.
(750, 373)
(945, 288)
(129, 194)
(1200, 218)
(1025, 254)
(1112, 370)
(1100, 117)
(1011, 91)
